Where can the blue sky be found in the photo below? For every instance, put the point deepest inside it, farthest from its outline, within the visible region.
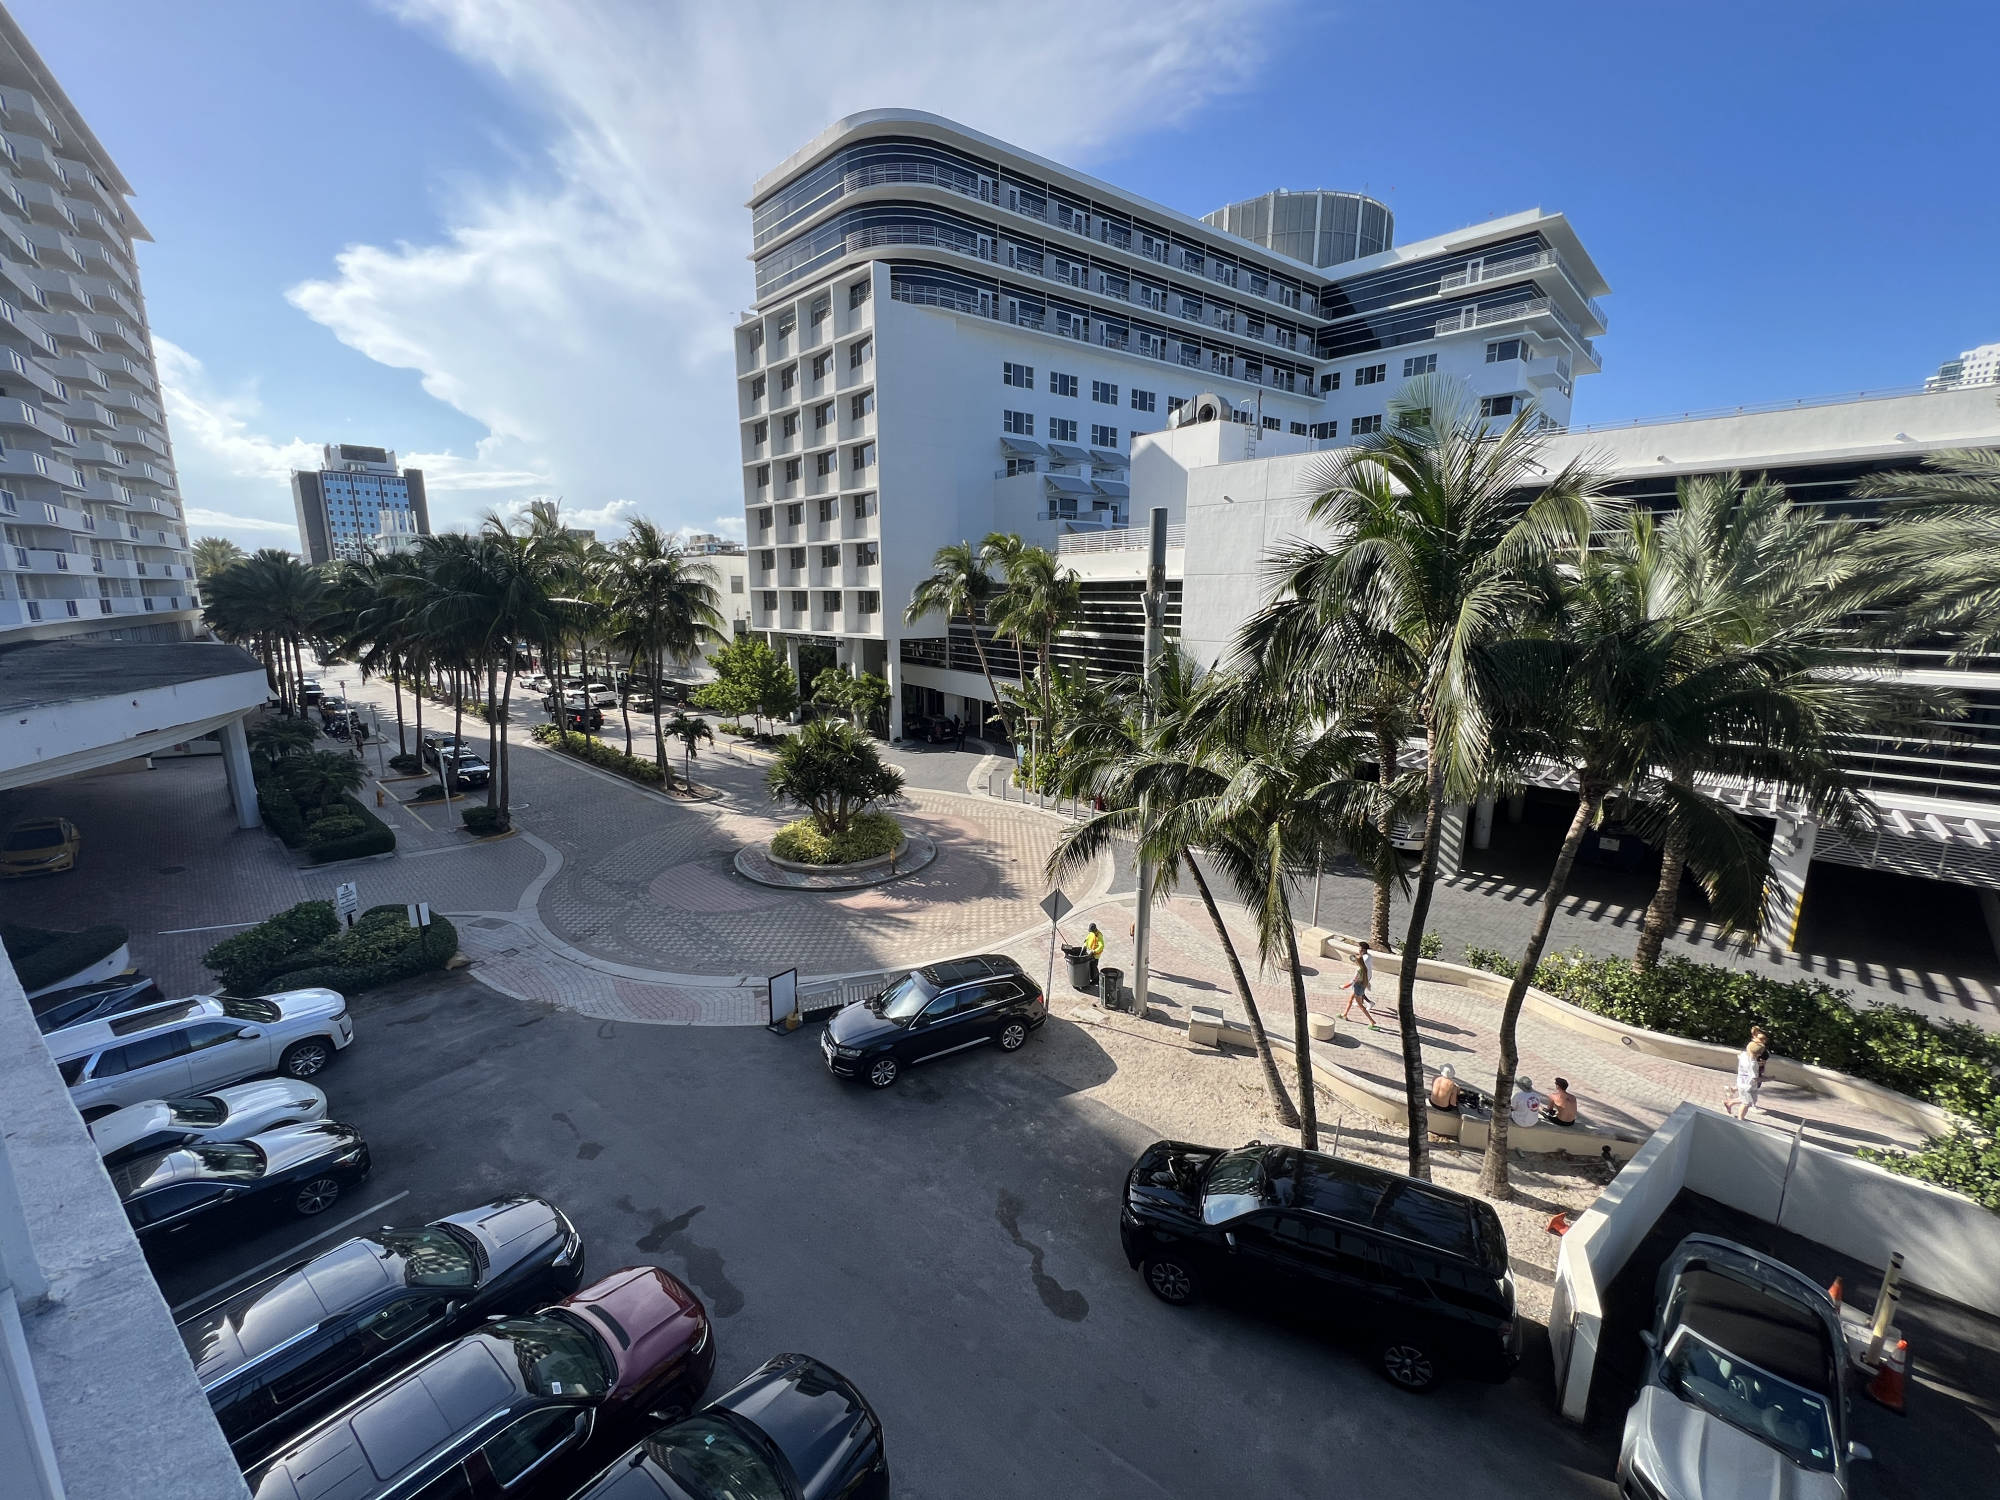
(506, 236)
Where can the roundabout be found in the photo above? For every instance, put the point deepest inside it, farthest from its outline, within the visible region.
(757, 862)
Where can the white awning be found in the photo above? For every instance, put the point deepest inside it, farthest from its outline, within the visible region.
(1069, 453)
(1067, 484)
(1108, 458)
(1022, 447)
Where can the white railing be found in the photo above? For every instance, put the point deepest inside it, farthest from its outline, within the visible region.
(1535, 307)
(1118, 539)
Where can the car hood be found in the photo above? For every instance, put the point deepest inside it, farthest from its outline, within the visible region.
(122, 1127)
(510, 1230)
(299, 1005)
(810, 1411)
(289, 1146)
(1167, 1177)
(1692, 1455)
(856, 1025)
(271, 1096)
(647, 1319)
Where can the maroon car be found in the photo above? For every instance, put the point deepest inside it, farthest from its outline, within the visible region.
(552, 1395)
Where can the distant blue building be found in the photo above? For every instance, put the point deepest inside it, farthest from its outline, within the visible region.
(357, 495)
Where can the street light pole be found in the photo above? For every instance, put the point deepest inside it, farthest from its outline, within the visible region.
(1155, 601)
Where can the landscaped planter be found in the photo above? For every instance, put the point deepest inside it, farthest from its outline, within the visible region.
(878, 862)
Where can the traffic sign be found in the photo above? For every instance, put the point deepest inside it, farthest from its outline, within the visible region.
(346, 901)
(1057, 905)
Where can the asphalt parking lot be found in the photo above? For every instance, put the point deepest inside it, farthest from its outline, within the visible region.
(951, 1245)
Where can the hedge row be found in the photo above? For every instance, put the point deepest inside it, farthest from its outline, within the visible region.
(42, 956)
(868, 836)
(597, 753)
(306, 947)
(357, 834)
(281, 812)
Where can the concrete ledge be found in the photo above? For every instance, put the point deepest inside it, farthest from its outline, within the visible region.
(1208, 1027)
(1711, 1055)
(901, 851)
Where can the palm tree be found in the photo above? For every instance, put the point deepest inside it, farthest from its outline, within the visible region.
(212, 554)
(1158, 785)
(275, 740)
(1941, 544)
(960, 587)
(323, 777)
(1433, 546)
(688, 729)
(660, 610)
(275, 601)
(1039, 600)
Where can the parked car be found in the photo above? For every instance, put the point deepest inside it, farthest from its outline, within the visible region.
(301, 1168)
(277, 1356)
(641, 702)
(1746, 1388)
(580, 719)
(88, 1002)
(796, 1429)
(931, 1011)
(309, 691)
(437, 741)
(189, 1046)
(39, 846)
(522, 1405)
(330, 706)
(601, 695)
(540, 682)
(231, 1114)
(1420, 1271)
(465, 767)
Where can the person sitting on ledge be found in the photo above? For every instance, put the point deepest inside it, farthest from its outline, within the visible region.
(1444, 1088)
(1561, 1108)
(1527, 1105)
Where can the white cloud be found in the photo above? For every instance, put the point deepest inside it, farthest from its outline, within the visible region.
(219, 425)
(220, 523)
(582, 313)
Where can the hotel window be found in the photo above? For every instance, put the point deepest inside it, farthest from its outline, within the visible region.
(1325, 430)
(1061, 385)
(823, 415)
(829, 508)
(1191, 308)
(1062, 430)
(787, 378)
(821, 306)
(1413, 417)
(735, 583)
(1019, 375)
(860, 354)
(864, 457)
(791, 471)
(1020, 466)
(1272, 424)
(861, 507)
(856, 295)
(866, 554)
(829, 600)
(1020, 423)
(1499, 406)
(770, 599)
(1142, 400)
(861, 405)
(763, 520)
(786, 323)
(868, 602)
(1420, 364)
(1371, 374)
(1330, 381)
(763, 476)
(791, 424)
(825, 464)
(1104, 393)
(1298, 429)
(1103, 437)
(1364, 424)
(799, 599)
(829, 557)
(1175, 403)
(821, 364)
(795, 557)
(1502, 350)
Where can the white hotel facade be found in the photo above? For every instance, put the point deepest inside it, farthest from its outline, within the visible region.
(953, 337)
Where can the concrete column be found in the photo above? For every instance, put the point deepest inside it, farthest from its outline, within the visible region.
(805, 688)
(893, 668)
(236, 767)
(1451, 839)
(1792, 844)
(1482, 823)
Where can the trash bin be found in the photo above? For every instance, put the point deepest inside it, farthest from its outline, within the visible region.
(1111, 988)
(1082, 968)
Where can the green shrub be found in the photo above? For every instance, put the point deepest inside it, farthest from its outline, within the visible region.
(1492, 960)
(1430, 946)
(543, 734)
(381, 948)
(869, 836)
(596, 753)
(243, 962)
(373, 837)
(42, 956)
(730, 726)
(339, 826)
(408, 764)
(482, 819)
(280, 811)
(1965, 1159)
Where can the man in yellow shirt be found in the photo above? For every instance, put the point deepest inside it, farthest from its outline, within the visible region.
(1093, 944)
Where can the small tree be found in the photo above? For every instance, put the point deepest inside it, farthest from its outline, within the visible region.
(833, 771)
(860, 697)
(688, 729)
(750, 678)
(324, 777)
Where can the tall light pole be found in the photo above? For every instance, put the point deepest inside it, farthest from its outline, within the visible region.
(1155, 603)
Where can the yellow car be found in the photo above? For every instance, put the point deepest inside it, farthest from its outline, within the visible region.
(39, 846)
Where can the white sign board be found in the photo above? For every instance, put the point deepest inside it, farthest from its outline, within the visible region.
(346, 899)
(420, 914)
(784, 995)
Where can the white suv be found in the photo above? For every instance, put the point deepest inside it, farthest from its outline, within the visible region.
(185, 1046)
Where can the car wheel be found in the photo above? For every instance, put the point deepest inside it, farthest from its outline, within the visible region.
(1408, 1364)
(316, 1197)
(1171, 1279)
(1012, 1035)
(883, 1072)
(305, 1059)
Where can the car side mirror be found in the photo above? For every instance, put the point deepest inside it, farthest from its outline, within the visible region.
(1649, 1338)
(1860, 1453)
(1229, 1236)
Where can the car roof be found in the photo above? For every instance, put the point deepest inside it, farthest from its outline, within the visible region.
(95, 1035)
(259, 1318)
(1761, 1322)
(963, 970)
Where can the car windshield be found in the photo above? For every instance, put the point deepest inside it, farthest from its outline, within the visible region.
(1234, 1185)
(34, 838)
(251, 1010)
(199, 1112)
(558, 1356)
(906, 997)
(431, 1256)
(231, 1159)
(712, 1460)
(1790, 1418)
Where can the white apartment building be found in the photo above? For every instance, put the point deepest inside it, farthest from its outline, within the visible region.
(1979, 366)
(953, 336)
(90, 511)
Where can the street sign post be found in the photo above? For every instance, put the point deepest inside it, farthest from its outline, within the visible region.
(346, 901)
(1056, 904)
(420, 913)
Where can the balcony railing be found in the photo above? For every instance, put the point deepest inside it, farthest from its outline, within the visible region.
(1518, 265)
(1468, 318)
(1118, 539)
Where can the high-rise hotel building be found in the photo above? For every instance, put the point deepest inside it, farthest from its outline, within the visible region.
(953, 336)
(90, 512)
(358, 501)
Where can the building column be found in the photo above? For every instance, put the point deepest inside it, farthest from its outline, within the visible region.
(1482, 823)
(1792, 843)
(892, 665)
(236, 768)
(805, 688)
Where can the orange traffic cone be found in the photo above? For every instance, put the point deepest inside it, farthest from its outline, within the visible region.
(1887, 1386)
(1559, 1223)
(1834, 1290)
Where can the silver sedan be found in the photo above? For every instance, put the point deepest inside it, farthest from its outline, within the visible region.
(229, 1114)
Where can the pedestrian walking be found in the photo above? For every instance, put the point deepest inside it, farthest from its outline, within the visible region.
(957, 732)
(1749, 1075)
(1360, 987)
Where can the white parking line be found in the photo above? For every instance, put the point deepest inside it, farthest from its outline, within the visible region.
(219, 927)
(222, 1286)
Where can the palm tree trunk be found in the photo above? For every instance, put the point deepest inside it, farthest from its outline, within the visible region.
(1288, 1114)
(501, 767)
(396, 681)
(625, 703)
(457, 733)
(979, 649)
(1661, 913)
(417, 704)
(1301, 1039)
(1416, 1097)
(1385, 824)
(659, 735)
(492, 734)
(1493, 1170)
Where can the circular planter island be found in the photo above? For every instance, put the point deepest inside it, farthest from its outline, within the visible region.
(757, 862)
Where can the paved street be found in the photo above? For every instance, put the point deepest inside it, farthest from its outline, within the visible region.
(950, 1245)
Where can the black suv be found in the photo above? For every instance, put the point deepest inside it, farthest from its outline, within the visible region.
(1419, 1271)
(275, 1357)
(304, 1168)
(931, 1011)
